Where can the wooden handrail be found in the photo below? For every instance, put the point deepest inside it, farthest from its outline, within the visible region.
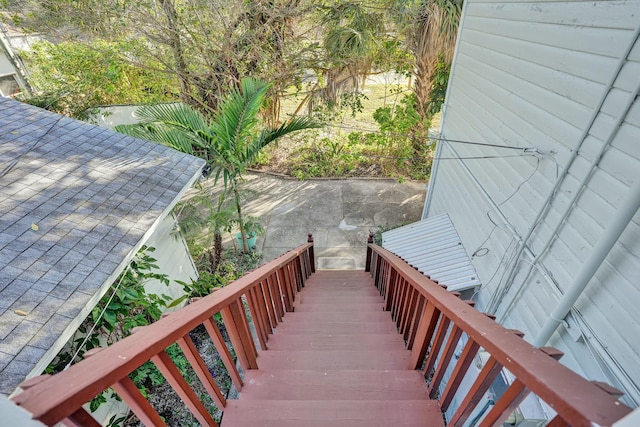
(424, 310)
(268, 289)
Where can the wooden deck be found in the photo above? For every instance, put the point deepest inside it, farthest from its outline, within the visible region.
(336, 360)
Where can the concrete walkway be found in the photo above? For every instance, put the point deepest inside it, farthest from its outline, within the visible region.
(339, 214)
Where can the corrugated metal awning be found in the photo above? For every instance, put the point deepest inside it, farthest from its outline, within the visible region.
(434, 247)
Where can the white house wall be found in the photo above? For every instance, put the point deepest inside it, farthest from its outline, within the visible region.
(5, 65)
(173, 259)
(531, 74)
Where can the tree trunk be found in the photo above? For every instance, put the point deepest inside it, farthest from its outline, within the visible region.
(243, 234)
(177, 50)
(217, 249)
(425, 68)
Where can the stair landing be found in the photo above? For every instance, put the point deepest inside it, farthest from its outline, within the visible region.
(336, 360)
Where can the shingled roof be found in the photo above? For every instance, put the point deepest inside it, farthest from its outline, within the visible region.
(76, 202)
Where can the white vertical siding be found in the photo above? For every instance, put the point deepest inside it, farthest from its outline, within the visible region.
(173, 259)
(5, 65)
(531, 74)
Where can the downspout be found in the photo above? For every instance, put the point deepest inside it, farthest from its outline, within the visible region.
(574, 154)
(624, 215)
(445, 107)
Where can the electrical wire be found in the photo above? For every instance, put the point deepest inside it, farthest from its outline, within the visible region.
(535, 170)
(93, 327)
(434, 138)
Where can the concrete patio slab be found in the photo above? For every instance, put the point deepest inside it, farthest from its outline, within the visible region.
(339, 213)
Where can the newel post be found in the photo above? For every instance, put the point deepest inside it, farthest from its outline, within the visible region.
(311, 253)
(367, 263)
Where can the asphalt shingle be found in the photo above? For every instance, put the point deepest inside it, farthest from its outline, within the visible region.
(75, 201)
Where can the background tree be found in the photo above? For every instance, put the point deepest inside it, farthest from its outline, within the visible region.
(430, 28)
(73, 78)
(206, 46)
(351, 40)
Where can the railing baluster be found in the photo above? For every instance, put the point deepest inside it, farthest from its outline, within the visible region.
(397, 294)
(285, 282)
(404, 302)
(436, 346)
(304, 266)
(460, 370)
(80, 418)
(377, 270)
(292, 279)
(240, 317)
(390, 289)
(276, 298)
(427, 325)
(404, 312)
(445, 359)
(300, 274)
(265, 306)
(258, 321)
(239, 334)
(380, 283)
(265, 290)
(202, 370)
(299, 281)
(413, 329)
(223, 351)
(129, 393)
(171, 373)
(447, 353)
(486, 377)
(512, 397)
(411, 314)
(383, 288)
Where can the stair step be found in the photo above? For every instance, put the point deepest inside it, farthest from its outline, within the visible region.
(339, 299)
(341, 413)
(340, 316)
(335, 342)
(355, 306)
(334, 385)
(334, 359)
(301, 326)
(341, 291)
(337, 360)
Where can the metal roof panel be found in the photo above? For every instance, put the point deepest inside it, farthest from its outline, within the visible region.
(434, 247)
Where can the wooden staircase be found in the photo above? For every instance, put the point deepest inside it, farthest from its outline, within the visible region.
(336, 360)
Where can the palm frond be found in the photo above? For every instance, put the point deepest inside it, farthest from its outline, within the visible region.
(177, 114)
(175, 125)
(268, 136)
(237, 116)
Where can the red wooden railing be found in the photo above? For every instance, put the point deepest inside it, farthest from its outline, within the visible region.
(269, 292)
(433, 321)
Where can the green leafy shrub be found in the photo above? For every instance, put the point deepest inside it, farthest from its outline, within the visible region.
(400, 148)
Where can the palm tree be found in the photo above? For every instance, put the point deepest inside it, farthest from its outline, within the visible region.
(431, 28)
(229, 142)
(351, 42)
